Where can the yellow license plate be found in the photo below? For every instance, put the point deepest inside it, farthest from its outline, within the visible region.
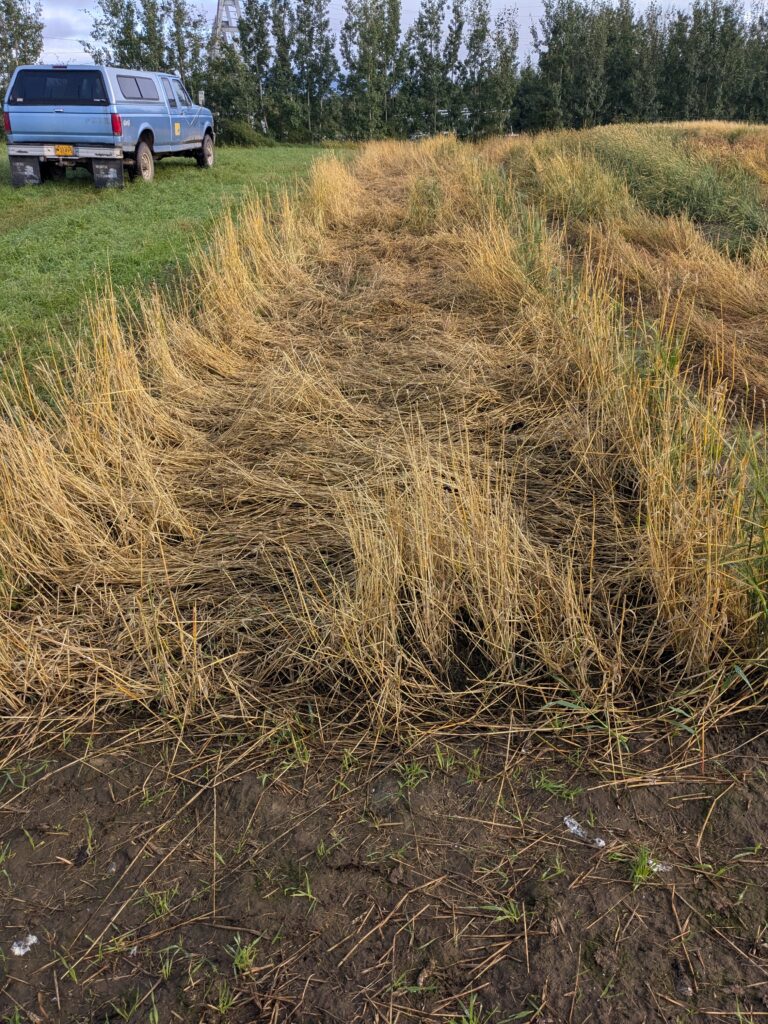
(64, 150)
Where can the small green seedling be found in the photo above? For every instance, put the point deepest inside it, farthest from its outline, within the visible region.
(509, 911)
(473, 1013)
(160, 902)
(411, 775)
(556, 788)
(641, 867)
(243, 954)
(303, 891)
(556, 868)
(446, 761)
(412, 988)
(474, 772)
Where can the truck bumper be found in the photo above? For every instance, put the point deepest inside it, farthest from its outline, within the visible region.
(28, 160)
(47, 151)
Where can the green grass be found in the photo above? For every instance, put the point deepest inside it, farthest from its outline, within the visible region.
(59, 242)
(667, 177)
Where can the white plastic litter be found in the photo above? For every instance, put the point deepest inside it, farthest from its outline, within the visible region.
(22, 946)
(581, 833)
(657, 865)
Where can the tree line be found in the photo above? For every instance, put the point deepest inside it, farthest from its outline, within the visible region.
(21, 36)
(455, 68)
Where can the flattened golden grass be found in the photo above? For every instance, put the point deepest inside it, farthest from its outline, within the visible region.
(409, 457)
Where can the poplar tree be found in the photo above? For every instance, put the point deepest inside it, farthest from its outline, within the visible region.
(716, 43)
(116, 35)
(21, 36)
(186, 35)
(754, 103)
(678, 72)
(454, 38)
(476, 68)
(646, 76)
(571, 41)
(256, 51)
(283, 106)
(428, 81)
(230, 94)
(621, 62)
(504, 79)
(315, 63)
(369, 47)
(390, 65)
(536, 108)
(152, 36)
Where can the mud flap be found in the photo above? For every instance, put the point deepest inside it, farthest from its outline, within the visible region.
(25, 170)
(107, 173)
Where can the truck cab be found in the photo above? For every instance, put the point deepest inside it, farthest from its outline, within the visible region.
(112, 121)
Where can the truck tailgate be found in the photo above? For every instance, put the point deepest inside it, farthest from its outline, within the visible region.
(67, 124)
(59, 104)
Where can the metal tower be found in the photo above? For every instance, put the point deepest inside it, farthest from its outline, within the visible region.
(228, 15)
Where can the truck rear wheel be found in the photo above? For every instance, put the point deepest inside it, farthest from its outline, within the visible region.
(145, 162)
(205, 155)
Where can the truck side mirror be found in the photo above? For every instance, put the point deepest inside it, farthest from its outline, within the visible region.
(201, 98)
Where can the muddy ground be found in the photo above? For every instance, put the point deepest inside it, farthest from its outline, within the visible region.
(168, 881)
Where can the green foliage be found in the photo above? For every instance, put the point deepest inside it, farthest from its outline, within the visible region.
(243, 954)
(157, 35)
(229, 88)
(281, 102)
(427, 83)
(455, 69)
(241, 133)
(21, 36)
(667, 177)
(369, 43)
(316, 67)
(256, 50)
(186, 34)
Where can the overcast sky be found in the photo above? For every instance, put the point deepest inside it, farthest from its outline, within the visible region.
(68, 21)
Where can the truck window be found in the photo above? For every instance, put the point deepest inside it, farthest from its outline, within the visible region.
(129, 87)
(169, 92)
(181, 94)
(61, 88)
(148, 89)
(134, 87)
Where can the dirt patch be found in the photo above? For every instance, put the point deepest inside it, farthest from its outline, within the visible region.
(488, 878)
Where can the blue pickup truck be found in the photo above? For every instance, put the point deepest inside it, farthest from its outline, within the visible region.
(110, 120)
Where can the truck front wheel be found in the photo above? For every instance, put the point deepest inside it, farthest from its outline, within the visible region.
(205, 154)
(145, 162)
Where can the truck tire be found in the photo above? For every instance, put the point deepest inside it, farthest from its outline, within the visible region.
(145, 162)
(205, 156)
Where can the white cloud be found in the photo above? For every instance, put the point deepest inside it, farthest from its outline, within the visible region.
(65, 24)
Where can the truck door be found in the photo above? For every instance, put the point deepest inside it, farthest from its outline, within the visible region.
(187, 123)
(173, 109)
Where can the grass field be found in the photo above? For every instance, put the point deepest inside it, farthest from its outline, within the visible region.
(391, 644)
(60, 243)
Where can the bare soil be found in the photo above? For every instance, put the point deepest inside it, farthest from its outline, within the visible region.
(441, 883)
